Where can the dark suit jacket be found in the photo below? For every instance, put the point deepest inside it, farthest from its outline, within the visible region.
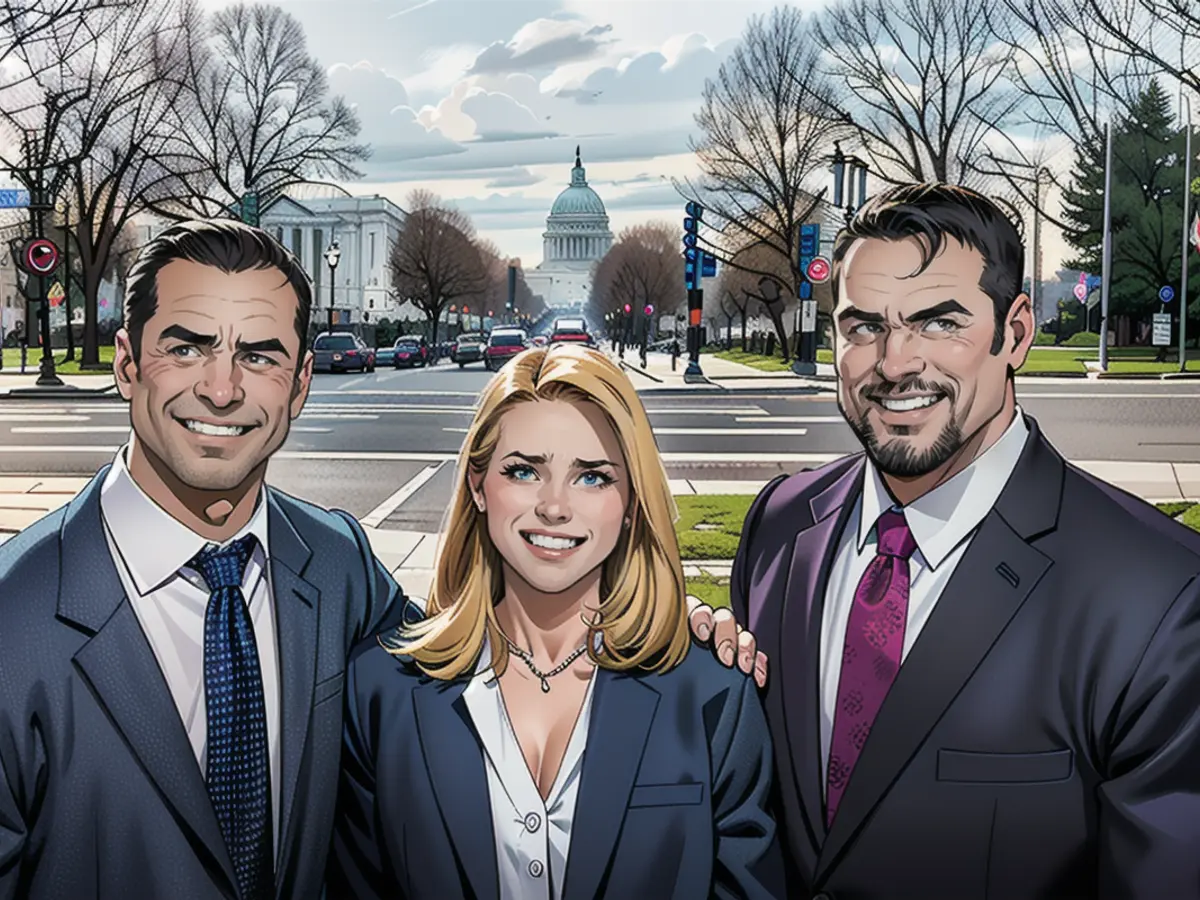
(671, 804)
(100, 793)
(1041, 740)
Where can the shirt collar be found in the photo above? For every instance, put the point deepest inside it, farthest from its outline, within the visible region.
(153, 544)
(941, 519)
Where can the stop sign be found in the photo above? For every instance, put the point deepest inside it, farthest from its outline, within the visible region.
(818, 270)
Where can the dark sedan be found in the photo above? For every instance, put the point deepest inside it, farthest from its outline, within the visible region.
(409, 352)
(340, 353)
(467, 348)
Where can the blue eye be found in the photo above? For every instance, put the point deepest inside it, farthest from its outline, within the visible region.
(598, 479)
(518, 472)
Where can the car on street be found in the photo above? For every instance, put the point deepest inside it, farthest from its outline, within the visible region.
(341, 351)
(410, 351)
(503, 344)
(571, 331)
(468, 348)
(540, 340)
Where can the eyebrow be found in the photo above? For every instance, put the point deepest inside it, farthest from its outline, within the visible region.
(923, 315)
(538, 459)
(187, 335)
(271, 345)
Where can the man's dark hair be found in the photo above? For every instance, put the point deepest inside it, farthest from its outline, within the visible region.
(932, 212)
(225, 244)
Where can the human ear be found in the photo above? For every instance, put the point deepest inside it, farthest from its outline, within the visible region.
(124, 365)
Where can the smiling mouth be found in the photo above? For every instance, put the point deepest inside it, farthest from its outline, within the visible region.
(551, 542)
(908, 403)
(210, 429)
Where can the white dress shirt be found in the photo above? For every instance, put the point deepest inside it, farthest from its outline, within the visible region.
(942, 522)
(532, 836)
(151, 550)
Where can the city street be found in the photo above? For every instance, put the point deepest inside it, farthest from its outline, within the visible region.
(382, 445)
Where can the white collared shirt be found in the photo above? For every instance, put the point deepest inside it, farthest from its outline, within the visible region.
(942, 522)
(533, 837)
(151, 549)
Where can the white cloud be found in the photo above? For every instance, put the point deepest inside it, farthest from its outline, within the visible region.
(517, 176)
(653, 77)
(499, 117)
(543, 44)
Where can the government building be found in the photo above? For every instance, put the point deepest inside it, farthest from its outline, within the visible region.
(576, 238)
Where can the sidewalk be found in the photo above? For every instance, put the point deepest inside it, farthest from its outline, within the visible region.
(410, 555)
(79, 387)
(657, 375)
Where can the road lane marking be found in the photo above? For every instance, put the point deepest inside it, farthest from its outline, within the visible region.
(37, 417)
(708, 432)
(394, 393)
(375, 517)
(322, 416)
(71, 429)
(793, 420)
(353, 381)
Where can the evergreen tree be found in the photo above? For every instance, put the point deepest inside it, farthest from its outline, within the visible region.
(1147, 206)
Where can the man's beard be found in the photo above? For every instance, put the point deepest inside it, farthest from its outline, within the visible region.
(897, 457)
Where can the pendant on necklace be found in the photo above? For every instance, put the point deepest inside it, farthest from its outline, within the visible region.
(545, 686)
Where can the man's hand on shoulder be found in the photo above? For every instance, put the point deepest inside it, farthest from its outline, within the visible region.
(730, 642)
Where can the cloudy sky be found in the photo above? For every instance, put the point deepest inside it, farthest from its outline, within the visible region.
(484, 101)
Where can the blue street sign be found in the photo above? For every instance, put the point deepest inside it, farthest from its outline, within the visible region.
(689, 240)
(805, 289)
(695, 210)
(708, 268)
(1093, 283)
(810, 240)
(689, 225)
(14, 199)
(1166, 293)
(690, 254)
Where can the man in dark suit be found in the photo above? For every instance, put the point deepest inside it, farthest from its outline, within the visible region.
(174, 640)
(988, 662)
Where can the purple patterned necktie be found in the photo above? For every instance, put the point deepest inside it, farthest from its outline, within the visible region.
(872, 652)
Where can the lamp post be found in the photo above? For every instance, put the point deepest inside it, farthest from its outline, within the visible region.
(1187, 191)
(843, 188)
(332, 255)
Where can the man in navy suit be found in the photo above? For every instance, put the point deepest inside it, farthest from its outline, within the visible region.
(174, 640)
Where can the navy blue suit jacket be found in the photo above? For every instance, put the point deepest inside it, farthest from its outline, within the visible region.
(100, 793)
(672, 801)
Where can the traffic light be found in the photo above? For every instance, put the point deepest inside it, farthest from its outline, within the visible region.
(691, 256)
(649, 309)
(489, 313)
(628, 309)
(466, 309)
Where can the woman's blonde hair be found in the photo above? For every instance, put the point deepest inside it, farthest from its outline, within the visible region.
(641, 622)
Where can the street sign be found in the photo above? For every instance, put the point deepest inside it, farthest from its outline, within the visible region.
(1161, 336)
(708, 268)
(1166, 293)
(808, 315)
(689, 239)
(805, 290)
(818, 270)
(56, 293)
(810, 240)
(1196, 232)
(1080, 291)
(39, 256)
(694, 210)
(14, 199)
(250, 208)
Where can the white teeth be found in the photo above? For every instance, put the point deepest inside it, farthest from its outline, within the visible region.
(215, 430)
(909, 403)
(552, 543)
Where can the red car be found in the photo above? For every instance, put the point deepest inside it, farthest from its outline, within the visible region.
(502, 346)
(571, 336)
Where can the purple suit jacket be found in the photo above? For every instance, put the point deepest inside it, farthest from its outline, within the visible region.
(1042, 739)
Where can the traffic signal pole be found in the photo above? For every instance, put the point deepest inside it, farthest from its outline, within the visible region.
(693, 266)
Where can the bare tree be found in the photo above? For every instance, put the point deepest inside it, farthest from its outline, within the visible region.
(924, 86)
(1072, 83)
(643, 267)
(741, 285)
(1163, 33)
(495, 296)
(764, 121)
(435, 260)
(260, 118)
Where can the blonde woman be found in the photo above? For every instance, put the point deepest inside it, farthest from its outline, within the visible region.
(545, 731)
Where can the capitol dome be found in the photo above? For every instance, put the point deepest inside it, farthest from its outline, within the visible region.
(577, 232)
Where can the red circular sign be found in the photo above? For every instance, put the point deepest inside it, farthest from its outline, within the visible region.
(818, 269)
(40, 257)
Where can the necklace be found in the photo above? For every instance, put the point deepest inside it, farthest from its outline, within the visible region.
(545, 676)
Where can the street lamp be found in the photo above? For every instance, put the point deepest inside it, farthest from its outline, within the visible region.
(851, 165)
(332, 255)
(1187, 192)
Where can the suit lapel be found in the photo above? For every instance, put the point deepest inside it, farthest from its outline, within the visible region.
(296, 615)
(454, 761)
(990, 583)
(623, 710)
(813, 553)
(119, 664)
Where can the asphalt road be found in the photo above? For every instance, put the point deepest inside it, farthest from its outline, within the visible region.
(384, 443)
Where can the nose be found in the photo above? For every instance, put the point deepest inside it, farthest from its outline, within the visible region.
(220, 383)
(553, 506)
(901, 356)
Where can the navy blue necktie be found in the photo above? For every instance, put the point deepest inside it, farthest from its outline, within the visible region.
(239, 767)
